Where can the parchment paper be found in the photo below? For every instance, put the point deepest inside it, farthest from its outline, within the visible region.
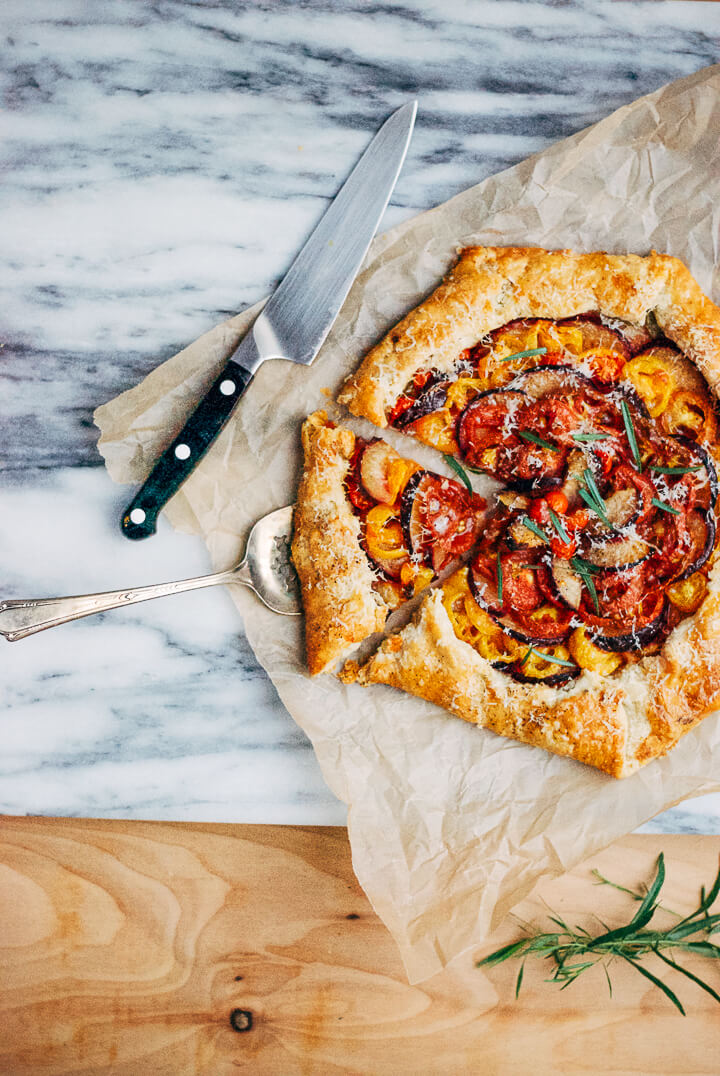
(450, 825)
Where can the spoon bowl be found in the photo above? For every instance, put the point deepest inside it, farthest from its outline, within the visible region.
(266, 569)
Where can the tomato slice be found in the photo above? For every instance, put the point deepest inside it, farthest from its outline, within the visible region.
(488, 421)
(440, 517)
(521, 593)
(619, 592)
(643, 613)
(551, 418)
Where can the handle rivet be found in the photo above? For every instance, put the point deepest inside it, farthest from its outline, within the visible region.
(182, 452)
(137, 516)
(227, 387)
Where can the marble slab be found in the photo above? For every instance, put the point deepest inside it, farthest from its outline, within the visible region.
(161, 165)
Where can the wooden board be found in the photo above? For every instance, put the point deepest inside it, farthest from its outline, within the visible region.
(129, 948)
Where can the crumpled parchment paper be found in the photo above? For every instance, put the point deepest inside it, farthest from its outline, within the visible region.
(450, 825)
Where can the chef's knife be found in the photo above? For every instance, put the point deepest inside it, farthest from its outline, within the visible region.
(297, 317)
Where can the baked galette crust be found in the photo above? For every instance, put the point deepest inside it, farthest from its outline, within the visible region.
(490, 286)
(615, 724)
(341, 607)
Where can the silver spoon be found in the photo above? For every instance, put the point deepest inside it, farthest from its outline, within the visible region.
(266, 568)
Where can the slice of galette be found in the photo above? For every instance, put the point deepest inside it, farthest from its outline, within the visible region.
(589, 620)
(371, 529)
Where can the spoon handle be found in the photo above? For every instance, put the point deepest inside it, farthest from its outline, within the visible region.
(20, 617)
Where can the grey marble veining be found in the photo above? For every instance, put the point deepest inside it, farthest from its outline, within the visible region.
(161, 164)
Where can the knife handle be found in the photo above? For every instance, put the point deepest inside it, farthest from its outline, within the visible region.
(180, 458)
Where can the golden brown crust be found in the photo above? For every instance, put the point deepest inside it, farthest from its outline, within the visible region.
(490, 286)
(341, 607)
(614, 724)
(684, 681)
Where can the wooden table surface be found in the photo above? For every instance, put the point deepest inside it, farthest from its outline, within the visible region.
(169, 949)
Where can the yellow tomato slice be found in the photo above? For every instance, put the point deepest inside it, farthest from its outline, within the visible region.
(689, 593)
(560, 338)
(538, 663)
(399, 472)
(519, 338)
(417, 575)
(591, 657)
(463, 390)
(689, 413)
(653, 379)
(436, 430)
(383, 533)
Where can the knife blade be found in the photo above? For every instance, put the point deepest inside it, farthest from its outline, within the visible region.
(296, 319)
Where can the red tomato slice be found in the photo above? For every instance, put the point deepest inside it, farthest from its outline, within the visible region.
(443, 519)
(521, 592)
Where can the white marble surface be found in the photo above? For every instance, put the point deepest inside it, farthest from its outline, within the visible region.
(161, 165)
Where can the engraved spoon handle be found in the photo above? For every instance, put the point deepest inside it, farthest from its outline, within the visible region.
(21, 617)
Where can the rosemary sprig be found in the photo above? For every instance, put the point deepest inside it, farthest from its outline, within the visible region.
(630, 431)
(665, 507)
(528, 435)
(499, 579)
(550, 658)
(675, 470)
(585, 565)
(584, 569)
(558, 525)
(574, 950)
(525, 354)
(590, 436)
(592, 486)
(459, 471)
(532, 526)
(591, 496)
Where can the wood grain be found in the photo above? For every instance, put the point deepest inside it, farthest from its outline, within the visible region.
(167, 949)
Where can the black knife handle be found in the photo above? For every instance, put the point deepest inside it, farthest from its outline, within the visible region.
(182, 456)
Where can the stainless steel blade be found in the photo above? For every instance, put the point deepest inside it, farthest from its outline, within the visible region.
(300, 312)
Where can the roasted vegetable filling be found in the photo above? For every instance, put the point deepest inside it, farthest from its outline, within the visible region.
(603, 436)
(413, 523)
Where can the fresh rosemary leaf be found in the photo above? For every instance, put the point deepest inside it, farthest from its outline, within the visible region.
(499, 578)
(459, 471)
(630, 431)
(675, 470)
(574, 950)
(557, 524)
(658, 982)
(550, 658)
(591, 485)
(688, 926)
(525, 354)
(602, 880)
(532, 526)
(647, 906)
(530, 651)
(597, 509)
(590, 587)
(528, 435)
(684, 971)
(581, 565)
(708, 900)
(665, 507)
(518, 984)
(500, 955)
(590, 436)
